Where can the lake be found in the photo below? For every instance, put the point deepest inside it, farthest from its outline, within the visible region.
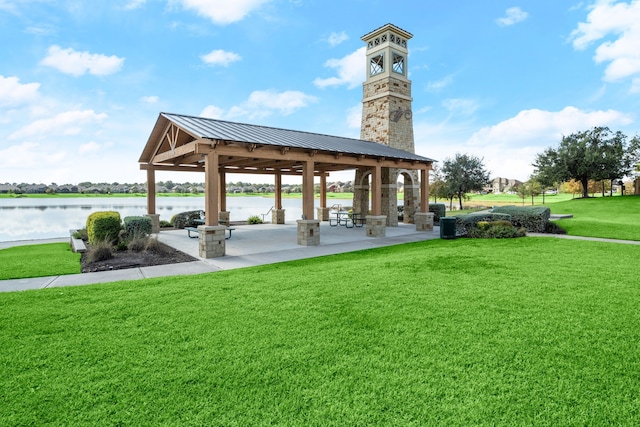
(27, 218)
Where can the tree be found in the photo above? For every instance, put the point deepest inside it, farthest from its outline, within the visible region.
(596, 154)
(463, 174)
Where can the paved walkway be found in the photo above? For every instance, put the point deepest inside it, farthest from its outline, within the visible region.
(250, 245)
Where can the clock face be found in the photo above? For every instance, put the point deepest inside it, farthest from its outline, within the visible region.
(376, 65)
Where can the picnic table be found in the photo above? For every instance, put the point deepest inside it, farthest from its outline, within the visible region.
(347, 219)
(201, 222)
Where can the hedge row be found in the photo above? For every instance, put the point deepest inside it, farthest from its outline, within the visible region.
(534, 219)
(466, 223)
(439, 210)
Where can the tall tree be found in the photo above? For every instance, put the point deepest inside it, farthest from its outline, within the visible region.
(595, 154)
(463, 174)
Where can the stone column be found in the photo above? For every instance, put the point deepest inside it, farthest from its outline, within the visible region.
(424, 221)
(155, 222)
(308, 232)
(376, 226)
(277, 216)
(212, 241)
(223, 217)
(411, 203)
(323, 214)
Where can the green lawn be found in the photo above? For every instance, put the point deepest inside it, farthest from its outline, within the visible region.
(532, 331)
(51, 259)
(609, 217)
(488, 199)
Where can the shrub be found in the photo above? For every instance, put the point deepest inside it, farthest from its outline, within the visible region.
(500, 229)
(103, 226)
(80, 234)
(101, 250)
(465, 223)
(154, 246)
(533, 218)
(254, 219)
(138, 243)
(137, 226)
(553, 228)
(185, 219)
(165, 224)
(439, 210)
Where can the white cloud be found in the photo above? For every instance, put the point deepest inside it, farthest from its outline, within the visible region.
(23, 155)
(220, 57)
(134, 4)
(67, 123)
(150, 99)
(509, 147)
(14, 93)
(89, 147)
(76, 63)
(212, 112)
(460, 107)
(336, 38)
(513, 15)
(264, 103)
(354, 117)
(536, 127)
(439, 84)
(8, 7)
(620, 21)
(223, 11)
(351, 70)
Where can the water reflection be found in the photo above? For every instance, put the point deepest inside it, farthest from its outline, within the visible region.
(24, 218)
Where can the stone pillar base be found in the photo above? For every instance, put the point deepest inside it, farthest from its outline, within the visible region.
(211, 240)
(424, 221)
(223, 217)
(376, 225)
(155, 222)
(308, 232)
(323, 214)
(277, 216)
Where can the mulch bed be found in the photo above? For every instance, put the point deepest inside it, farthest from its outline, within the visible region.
(128, 259)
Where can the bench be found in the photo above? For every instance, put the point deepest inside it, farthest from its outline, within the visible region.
(195, 230)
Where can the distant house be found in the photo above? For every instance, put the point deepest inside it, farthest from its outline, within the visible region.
(9, 188)
(503, 185)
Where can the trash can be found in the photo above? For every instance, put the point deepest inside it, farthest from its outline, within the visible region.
(448, 227)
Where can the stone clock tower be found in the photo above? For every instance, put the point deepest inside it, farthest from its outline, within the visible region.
(387, 118)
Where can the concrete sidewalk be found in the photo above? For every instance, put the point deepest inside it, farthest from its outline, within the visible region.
(250, 245)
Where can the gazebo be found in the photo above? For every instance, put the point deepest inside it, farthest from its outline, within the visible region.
(217, 148)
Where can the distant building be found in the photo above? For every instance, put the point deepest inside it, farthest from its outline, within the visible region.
(503, 185)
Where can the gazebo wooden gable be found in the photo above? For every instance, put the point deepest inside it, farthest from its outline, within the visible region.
(216, 147)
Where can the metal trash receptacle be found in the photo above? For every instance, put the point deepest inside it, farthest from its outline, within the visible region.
(448, 227)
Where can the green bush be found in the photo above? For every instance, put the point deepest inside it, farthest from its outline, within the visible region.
(185, 219)
(254, 219)
(532, 218)
(500, 229)
(137, 226)
(103, 226)
(553, 228)
(165, 224)
(466, 223)
(439, 210)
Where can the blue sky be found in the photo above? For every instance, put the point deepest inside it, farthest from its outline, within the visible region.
(82, 82)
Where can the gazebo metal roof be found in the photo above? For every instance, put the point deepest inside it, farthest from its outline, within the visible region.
(178, 141)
